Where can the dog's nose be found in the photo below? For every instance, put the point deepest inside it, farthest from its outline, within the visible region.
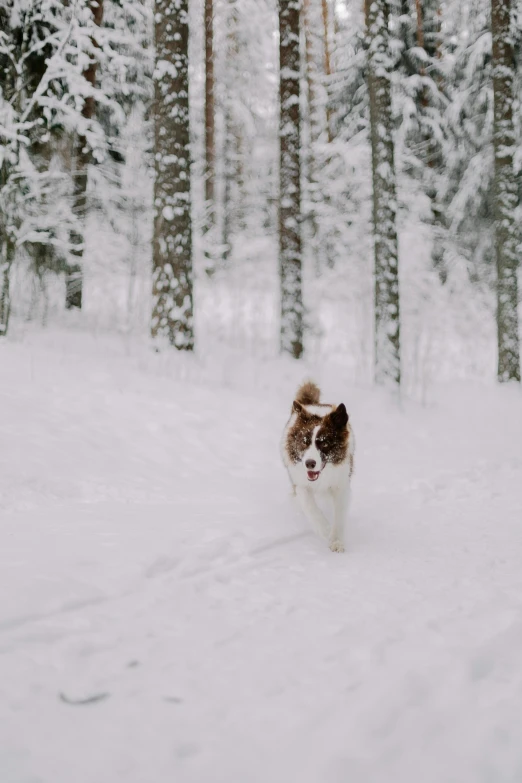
(310, 464)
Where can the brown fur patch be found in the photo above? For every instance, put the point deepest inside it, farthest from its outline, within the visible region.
(332, 437)
(308, 394)
(300, 434)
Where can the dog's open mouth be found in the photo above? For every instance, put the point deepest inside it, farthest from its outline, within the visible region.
(313, 475)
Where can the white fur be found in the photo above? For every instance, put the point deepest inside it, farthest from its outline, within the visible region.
(318, 410)
(313, 452)
(334, 482)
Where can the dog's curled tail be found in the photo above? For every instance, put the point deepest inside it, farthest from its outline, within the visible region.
(308, 393)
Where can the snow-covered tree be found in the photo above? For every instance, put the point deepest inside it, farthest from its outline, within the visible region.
(37, 107)
(52, 55)
(210, 144)
(172, 314)
(81, 157)
(505, 193)
(421, 100)
(387, 314)
(290, 179)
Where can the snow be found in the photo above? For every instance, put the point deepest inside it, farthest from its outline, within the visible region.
(154, 564)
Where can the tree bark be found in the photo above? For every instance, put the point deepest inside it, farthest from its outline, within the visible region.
(327, 63)
(6, 261)
(505, 195)
(311, 73)
(313, 121)
(428, 15)
(232, 152)
(81, 158)
(172, 311)
(387, 313)
(228, 180)
(290, 180)
(210, 148)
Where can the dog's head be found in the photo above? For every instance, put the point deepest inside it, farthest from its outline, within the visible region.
(315, 441)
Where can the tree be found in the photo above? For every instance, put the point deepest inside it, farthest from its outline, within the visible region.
(38, 66)
(210, 148)
(431, 105)
(468, 153)
(327, 60)
(290, 180)
(387, 314)
(172, 313)
(505, 194)
(231, 150)
(81, 158)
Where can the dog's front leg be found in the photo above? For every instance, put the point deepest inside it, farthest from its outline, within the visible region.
(312, 511)
(341, 499)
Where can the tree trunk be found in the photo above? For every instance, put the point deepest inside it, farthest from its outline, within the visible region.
(387, 315)
(210, 149)
(228, 179)
(172, 311)
(290, 180)
(505, 196)
(311, 76)
(81, 158)
(6, 260)
(428, 27)
(313, 124)
(232, 135)
(327, 63)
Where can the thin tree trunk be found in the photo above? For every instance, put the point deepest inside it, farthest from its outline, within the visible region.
(505, 195)
(228, 178)
(327, 63)
(314, 125)
(172, 310)
(387, 314)
(311, 73)
(232, 139)
(428, 21)
(290, 180)
(420, 24)
(210, 149)
(81, 159)
(6, 261)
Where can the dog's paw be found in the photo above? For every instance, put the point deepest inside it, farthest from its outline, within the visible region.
(337, 546)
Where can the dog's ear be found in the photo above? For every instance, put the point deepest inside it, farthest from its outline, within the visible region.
(297, 407)
(339, 417)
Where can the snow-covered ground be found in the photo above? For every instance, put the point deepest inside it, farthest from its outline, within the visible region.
(167, 617)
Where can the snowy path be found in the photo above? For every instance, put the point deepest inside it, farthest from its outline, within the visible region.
(154, 564)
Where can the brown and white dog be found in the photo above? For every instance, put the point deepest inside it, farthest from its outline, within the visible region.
(318, 448)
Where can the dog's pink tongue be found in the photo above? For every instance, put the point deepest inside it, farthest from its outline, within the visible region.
(312, 475)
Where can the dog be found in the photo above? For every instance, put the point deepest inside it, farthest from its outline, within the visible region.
(318, 448)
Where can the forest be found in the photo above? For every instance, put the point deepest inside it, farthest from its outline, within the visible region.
(260, 401)
(326, 177)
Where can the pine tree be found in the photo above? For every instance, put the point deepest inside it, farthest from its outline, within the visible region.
(290, 180)
(387, 315)
(468, 154)
(39, 58)
(172, 314)
(505, 194)
(431, 104)
(81, 158)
